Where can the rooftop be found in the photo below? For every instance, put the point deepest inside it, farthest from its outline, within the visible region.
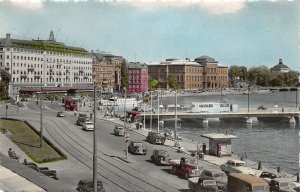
(218, 136)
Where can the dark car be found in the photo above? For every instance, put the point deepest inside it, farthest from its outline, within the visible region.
(218, 175)
(204, 184)
(119, 130)
(60, 114)
(136, 148)
(155, 138)
(268, 176)
(280, 185)
(160, 157)
(87, 185)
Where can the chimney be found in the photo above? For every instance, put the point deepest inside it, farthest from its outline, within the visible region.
(7, 36)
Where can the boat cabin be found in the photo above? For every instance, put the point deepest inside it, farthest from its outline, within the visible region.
(219, 143)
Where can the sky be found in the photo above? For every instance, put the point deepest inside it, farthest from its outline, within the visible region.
(234, 32)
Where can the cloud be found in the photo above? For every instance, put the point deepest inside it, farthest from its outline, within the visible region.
(25, 4)
(222, 6)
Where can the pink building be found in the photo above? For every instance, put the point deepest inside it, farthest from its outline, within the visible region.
(138, 77)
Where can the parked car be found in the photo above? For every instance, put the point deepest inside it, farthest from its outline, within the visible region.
(44, 170)
(236, 166)
(202, 184)
(119, 130)
(268, 176)
(218, 175)
(137, 148)
(280, 185)
(60, 114)
(160, 157)
(86, 185)
(155, 138)
(88, 126)
(297, 189)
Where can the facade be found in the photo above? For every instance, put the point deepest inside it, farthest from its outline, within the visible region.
(138, 77)
(280, 67)
(107, 70)
(202, 73)
(188, 74)
(215, 76)
(36, 63)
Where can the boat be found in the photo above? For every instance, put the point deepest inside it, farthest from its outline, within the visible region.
(213, 107)
(116, 101)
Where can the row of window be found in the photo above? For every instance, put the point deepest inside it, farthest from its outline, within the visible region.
(49, 80)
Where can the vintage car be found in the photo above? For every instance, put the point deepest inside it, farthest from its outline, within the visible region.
(81, 119)
(60, 114)
(236, 166)
(88, 126)
(280, 185)
(268, 176)
(160, 157)
(119, 130)
(137, 148)
(155, 138)
(218, 175)
(200, 184)
(86, 185)
(186, 167)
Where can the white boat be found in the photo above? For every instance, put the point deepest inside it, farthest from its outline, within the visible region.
(115, 101)
(213, 107)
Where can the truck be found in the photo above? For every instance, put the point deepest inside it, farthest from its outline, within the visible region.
(201, 184)
(81, 119)
(246, 183)
(186, 167)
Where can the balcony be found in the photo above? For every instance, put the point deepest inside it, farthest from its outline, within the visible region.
(76, 76)
(51, 69)
(7, 68)
(37, 76)
(86, 77)
(30, 68)
(81, 71)
(23, 76)
(67, 70)
(59, 74)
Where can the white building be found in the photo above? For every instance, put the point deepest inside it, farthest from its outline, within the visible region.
(33, 63)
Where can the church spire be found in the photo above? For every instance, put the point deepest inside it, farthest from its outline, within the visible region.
(51, 36)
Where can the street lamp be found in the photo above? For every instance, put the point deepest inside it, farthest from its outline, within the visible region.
(249, 121)
(95, 145)
(125, 119)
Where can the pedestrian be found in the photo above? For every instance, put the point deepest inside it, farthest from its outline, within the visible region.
(9, 152)
(204, 148)
(25, 162)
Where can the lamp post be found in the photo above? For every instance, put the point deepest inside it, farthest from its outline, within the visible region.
(95, 145)
(221, 94)
(175, 132)
(6, 108)
(151, 111)
(157, 111)
(41, 102)
(296, 98)
(125, 119)
(144, 117)
(248, 121)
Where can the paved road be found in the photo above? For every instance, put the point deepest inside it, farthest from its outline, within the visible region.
(135, 174)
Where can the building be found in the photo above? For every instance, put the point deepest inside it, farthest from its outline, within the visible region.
(138, 77)
(202, 73)
(215, 76)
(36, 63)
(280, 67)
(188, 74)
(107, 70)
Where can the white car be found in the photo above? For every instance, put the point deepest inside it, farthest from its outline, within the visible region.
(88, 126)
(236, 166)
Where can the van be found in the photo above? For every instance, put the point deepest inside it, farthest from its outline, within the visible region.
(239, 182)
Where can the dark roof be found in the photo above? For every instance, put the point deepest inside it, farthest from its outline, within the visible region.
(137, 65)
(279, 66)
(206, 58)
(41, 45)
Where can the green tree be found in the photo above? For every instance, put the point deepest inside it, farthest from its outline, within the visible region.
(5, 78)
(124, 75)
(153, 83)
(172, 82)
(291, 78)
(260, 75)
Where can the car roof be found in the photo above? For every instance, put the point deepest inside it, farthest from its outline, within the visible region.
(249, 178)
(213, 171)
(202, 178)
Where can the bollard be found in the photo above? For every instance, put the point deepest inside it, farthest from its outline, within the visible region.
(278, 169)
(298, 177)
(259, 165)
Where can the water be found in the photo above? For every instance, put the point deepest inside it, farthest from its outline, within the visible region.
(275, 144)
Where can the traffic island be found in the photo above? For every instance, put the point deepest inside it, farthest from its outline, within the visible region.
(28, 140)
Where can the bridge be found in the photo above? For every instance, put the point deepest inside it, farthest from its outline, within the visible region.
(287, 113)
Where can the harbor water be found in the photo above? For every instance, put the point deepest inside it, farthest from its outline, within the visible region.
(275, 144)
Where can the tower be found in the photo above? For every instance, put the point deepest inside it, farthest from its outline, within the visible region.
(51, 36)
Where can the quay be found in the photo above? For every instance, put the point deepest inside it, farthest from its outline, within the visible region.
(272, 112)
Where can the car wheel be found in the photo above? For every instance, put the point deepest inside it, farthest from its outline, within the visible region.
(174, 171)
(186, 175)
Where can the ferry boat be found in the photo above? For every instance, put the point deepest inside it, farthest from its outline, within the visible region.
(115, 101)
(213, 107)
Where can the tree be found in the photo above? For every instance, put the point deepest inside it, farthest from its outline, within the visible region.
(5, 78)
(172, 82)
(124, 75)
(291, 78)
(260, 75)
(153, 83)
